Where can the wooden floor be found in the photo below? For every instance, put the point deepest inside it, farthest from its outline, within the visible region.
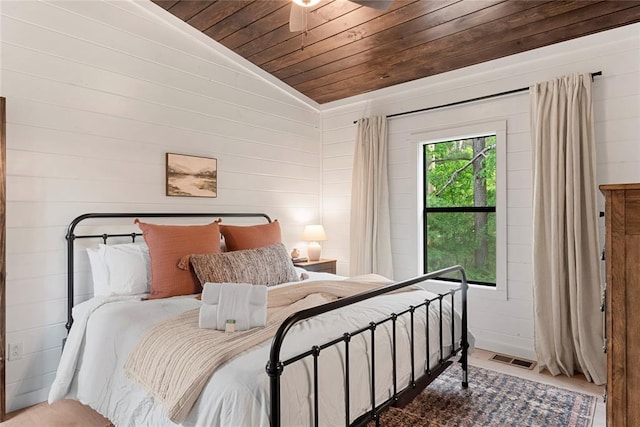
(69, 413)
(65, 413)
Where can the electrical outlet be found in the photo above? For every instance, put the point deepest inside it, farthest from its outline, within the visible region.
(15, 351)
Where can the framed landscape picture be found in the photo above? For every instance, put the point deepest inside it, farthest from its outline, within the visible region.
(191, 176)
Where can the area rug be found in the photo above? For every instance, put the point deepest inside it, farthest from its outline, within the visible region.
(492, 399)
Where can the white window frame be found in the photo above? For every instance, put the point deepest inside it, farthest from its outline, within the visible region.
(453, 133)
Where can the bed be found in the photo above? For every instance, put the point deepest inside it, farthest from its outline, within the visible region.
(342, 360)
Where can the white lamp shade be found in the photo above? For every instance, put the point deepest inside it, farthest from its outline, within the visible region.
(306, 3)
(314, 233)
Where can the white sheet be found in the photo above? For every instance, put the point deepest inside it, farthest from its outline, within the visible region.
(237, 394)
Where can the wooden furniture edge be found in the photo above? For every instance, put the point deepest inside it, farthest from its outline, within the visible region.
(313, 265)
(612, 187)
(621, 201)
(3, 211)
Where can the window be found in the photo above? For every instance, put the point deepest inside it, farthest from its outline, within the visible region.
(459, 199)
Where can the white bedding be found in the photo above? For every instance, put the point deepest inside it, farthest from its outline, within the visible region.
(104, 333)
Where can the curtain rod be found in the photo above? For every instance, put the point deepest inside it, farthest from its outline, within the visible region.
(480, 98)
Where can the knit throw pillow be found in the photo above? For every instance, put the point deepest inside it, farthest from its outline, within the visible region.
(268, 265)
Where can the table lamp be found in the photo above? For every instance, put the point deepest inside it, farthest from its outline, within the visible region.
(313, 234)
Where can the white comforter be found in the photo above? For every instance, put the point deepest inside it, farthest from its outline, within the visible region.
(104, 332)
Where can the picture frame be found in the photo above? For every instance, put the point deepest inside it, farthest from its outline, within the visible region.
(191, 176)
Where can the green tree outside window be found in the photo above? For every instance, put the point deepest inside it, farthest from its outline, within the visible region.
(459, 206)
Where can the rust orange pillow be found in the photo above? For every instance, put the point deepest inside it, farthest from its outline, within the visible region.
(167, 244)
(238, 237)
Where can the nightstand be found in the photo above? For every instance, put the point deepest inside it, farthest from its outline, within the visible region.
(321, 266)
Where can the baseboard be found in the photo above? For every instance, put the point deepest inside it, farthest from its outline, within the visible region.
(26, 400)
(504, 348)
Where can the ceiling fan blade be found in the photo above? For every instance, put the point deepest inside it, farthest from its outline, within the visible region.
(376, 4)
(297, 18)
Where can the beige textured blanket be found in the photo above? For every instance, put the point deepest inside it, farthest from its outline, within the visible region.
(176, 358)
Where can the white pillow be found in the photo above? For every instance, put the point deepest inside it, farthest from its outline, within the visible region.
(147, 263)
(119, 269)
(99, 271)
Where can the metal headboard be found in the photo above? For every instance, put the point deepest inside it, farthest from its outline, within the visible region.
(71, 238)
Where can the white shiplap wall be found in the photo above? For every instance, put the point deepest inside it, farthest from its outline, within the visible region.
(97, 92)
(499, 324)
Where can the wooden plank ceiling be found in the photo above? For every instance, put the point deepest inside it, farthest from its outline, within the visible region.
(350, 49)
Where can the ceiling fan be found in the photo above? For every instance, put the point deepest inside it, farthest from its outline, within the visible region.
(299, 8)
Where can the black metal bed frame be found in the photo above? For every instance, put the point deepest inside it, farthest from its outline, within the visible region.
(275, 366)
(402, 394)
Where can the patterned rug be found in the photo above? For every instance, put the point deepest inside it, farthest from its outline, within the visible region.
(492, 399)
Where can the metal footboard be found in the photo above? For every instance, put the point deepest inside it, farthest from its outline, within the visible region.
(401, 394)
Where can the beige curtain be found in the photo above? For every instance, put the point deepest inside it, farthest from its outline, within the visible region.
(370, 230)
(566, 266)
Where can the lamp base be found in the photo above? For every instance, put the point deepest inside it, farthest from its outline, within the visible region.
(313, 251)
